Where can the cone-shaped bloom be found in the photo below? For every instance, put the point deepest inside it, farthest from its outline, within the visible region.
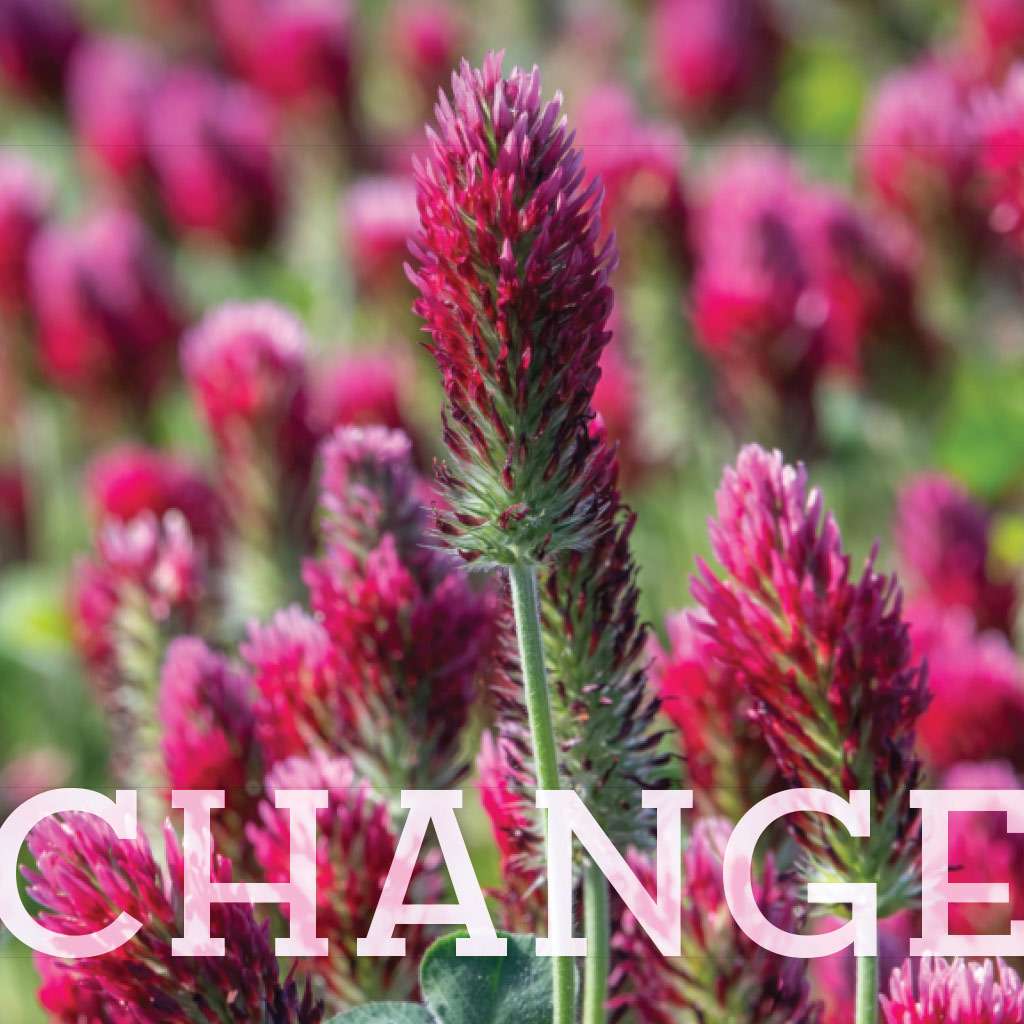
(726, 757)
(84, 877)
(943, 539)
(954, 993)
(826, 660)
(24, 205)
(355, 848)
(378, 217)
(513, 285)
(722, 971)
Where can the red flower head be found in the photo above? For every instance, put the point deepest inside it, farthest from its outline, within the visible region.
(721, 970)
(726, 757)
(106, 307)
(991, 38)
(63, 997)
(710, 55)
(355, 848)
(37, 39)
(825, 660)
(131, 479)
(211, 143)
(617, 406)
(942, 536)
(915, 144)
(960, 992)
(514, 290)
(998, 123)
(977, 683)
(208, 731)
(759, 313)
(84, 877)
(378, 217)
(24, 206)
(639, 164)
(299, 52)
(111, 84)
(427, 36)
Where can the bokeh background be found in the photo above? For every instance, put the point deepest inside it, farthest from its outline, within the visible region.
(820, 209)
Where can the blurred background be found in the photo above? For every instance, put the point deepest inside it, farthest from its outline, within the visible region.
(820, 211)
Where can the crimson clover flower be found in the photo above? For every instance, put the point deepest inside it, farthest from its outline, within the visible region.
(514, 290)
(84, 877)
(826, 660)
(24, 207)
(961, 991)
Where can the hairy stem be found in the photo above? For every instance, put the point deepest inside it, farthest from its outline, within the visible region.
(867, 990)
(595, 917)
(523, 579)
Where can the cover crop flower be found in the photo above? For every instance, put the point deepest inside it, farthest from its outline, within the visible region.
(955, 993)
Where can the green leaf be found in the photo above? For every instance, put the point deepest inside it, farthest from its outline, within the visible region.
(386, 1013)
(488, 990)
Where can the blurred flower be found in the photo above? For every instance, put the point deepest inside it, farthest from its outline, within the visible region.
(24, 206)
(977, 710)
(300, 52)
(942, 537)
(617, 401)
(708, 56)
(37, 39)
(31, 773)
(758, 311)
(998, 124)
(722, 971)
(355, 848)
(514, 290)
(991, 37)
(84, 877)
(915, 145)
(981, 850)
(130, 479)
(826, 661)
(107, 311)
(14, 514)
(964, 992)
(378, 217)
(208, 733)
(212, 143)
(640, 166)
(111, 85)
(428, 37)
(726, 758)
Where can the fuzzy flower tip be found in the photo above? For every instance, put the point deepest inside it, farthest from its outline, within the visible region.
(943, 539)
(960, 992)
(355, 847)
(24, 205)
(513, 284)
(826, 660)
(84, 877)
(721, 970)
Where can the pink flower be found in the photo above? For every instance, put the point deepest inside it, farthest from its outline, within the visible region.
(997, 126)
(63, 996)
(710, 55)
(111, 84)
(378, 217)
(427, 36)
(721, 970)
(212, 143)
(130, 479)
(355, 848)
(514, 290)
(208, 727)
(37, 39)
(617, 405)
(24, 206)
(84, 877)
(14, 514)
(726, 757)
(991, 37)
(107, 310)
(915, 144)
(825, 660)
(300, 52)
(942, 536)
(981, 850)
(964, 993)
(978, 684)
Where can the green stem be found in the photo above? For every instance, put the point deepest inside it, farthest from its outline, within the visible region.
(867, 990)
(523, 579)
(595, 917)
